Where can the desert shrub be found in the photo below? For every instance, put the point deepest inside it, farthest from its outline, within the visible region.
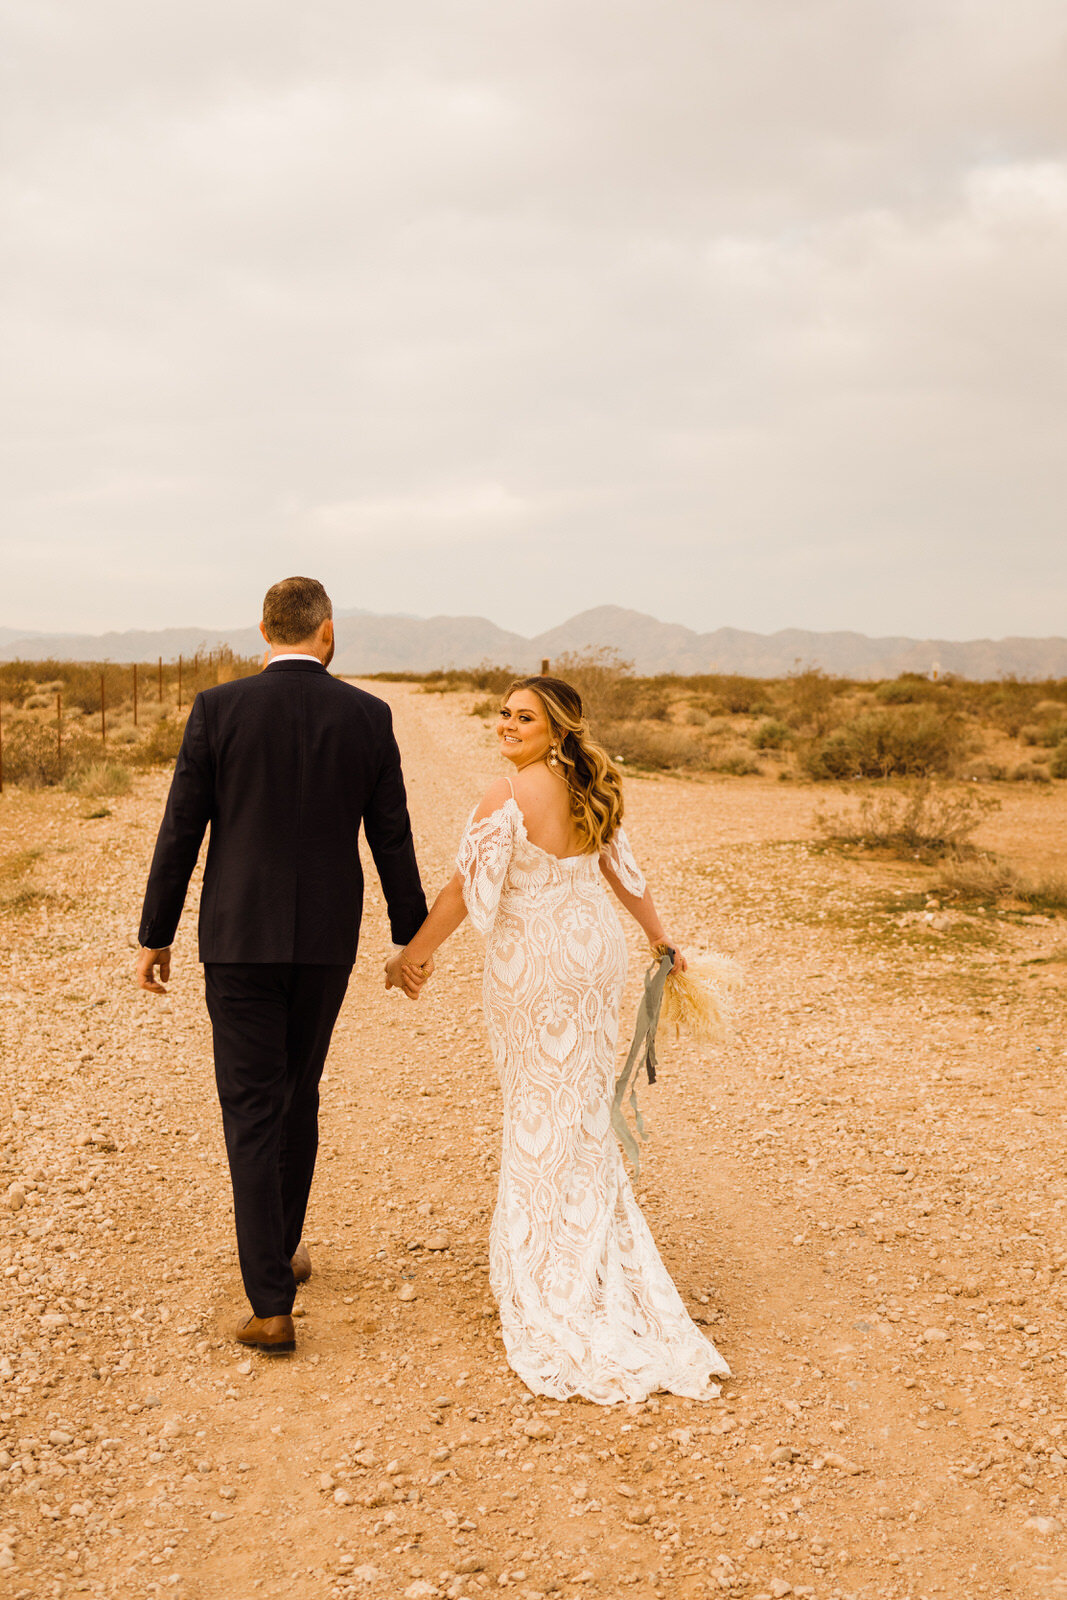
(486, 708)
(1031, 772)
(738, 695)
(33, 757)
(981, 877)
(772, 735)
(988, 877)
(161, 744)
(905, 690)
(917, 820)
(1045, 892)
(647, 744)
(1011, 705)
(1058, 763)
(738, 763)
(101, 779)
(606, 683)
(655, 708)
(906, 741)
(1051, 733)
(984, 771)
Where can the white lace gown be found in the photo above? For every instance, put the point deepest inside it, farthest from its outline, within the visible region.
(587, 1306)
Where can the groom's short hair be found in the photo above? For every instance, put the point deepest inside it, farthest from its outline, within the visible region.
(294, 610)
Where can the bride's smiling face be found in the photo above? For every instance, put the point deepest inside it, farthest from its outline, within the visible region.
(523, 729)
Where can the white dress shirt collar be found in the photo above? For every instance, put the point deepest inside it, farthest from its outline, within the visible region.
(294, 655)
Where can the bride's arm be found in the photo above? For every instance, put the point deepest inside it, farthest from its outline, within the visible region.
(474, 887)
(445, 916)
(643, 910)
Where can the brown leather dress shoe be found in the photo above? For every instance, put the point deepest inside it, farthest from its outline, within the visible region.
(301, 1263)
(274, 1336)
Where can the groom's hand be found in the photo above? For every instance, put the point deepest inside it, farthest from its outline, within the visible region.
(147, 962)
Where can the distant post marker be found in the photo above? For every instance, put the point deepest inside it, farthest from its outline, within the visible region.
(179, 683)
(545, 665)
(59, 734)
(135, 694)
(103, 713)
(161, 680)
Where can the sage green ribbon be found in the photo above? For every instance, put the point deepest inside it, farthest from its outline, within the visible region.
(642, 1054)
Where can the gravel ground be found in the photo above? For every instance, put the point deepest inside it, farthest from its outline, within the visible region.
(862, 1199)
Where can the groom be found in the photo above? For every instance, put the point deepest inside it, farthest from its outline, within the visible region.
(285, 766)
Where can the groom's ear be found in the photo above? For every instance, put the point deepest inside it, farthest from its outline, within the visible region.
(264, 632)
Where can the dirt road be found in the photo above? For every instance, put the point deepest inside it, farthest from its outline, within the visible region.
(863, 1200)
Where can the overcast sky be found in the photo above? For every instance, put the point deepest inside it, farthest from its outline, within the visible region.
(741, 312)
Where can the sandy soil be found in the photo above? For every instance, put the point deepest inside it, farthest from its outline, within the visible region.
(863, 1200)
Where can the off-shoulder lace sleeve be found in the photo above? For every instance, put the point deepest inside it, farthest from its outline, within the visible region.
(619, 860)
(484, 853)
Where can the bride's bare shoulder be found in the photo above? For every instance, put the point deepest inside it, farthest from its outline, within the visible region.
(537, 779)
(494, 797)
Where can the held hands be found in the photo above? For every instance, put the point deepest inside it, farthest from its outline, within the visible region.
(407, 975)
(147, 961)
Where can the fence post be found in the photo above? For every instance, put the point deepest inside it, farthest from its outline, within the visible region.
(179, 683)
(135, 694)
(161, 680)
(103, 713)
(545, 665)
(59, 734)
(1, 747)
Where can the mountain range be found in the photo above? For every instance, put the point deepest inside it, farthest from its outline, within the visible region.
(370, 643)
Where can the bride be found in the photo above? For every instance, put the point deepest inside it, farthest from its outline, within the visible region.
(587, 1306)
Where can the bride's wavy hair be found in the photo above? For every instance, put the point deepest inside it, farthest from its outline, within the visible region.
(593, 779)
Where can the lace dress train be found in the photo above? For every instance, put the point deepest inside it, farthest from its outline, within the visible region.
(587, 1306)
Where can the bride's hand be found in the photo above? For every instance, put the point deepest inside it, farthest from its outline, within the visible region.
(413, 977)
(680, 963)
(406, 975)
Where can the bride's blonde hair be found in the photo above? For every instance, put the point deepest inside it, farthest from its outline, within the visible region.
(593, 779)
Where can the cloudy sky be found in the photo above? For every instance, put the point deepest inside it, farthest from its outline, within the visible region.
(741, 312)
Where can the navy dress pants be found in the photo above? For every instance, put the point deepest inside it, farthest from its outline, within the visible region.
(271, 1025)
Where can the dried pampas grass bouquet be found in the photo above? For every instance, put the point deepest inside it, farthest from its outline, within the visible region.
(699, 1001)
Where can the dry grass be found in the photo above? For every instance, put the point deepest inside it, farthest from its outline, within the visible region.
(917, 822)
(46, 743)
(988, 879)
(101, 780)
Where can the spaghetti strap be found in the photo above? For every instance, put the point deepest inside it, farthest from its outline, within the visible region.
(511, 787)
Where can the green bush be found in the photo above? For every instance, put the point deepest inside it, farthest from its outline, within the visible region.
(906, 690)
(771, 735)
(906, 742)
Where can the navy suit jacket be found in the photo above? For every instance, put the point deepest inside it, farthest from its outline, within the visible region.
(284, 767)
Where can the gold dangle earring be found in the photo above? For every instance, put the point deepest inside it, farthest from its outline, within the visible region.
(553, 756)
